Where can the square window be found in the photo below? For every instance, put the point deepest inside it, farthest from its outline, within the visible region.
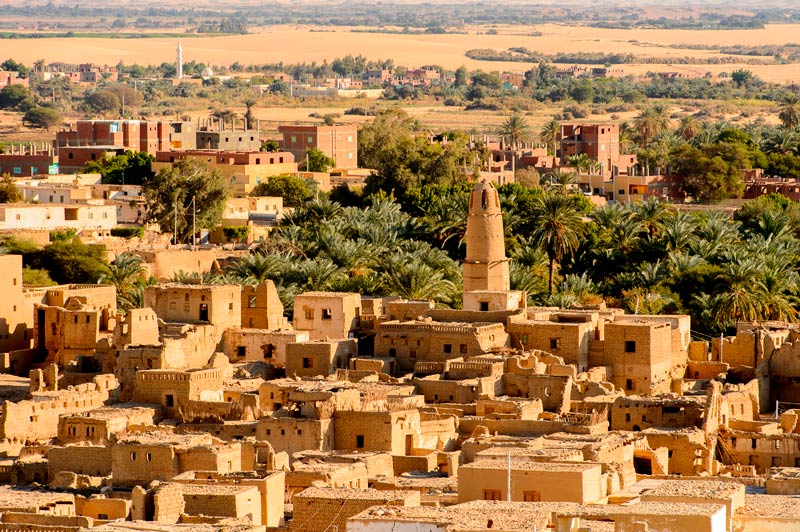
(392, 352)
(326, 314)
(309, 313)
(251, 301)
(484, 306)
(307, 363)
(630, 346)
(462, 349)
(555, 343)
(448, 348)
(241, 351)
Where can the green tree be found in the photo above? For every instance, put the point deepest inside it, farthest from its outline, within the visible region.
(550, 135)
(270, 146)
(187, 188)
(515, 129)
(9, 193)
(42, 117)
(711, 173)
(125, 272)
(294, 190)
(104, 102)
(317, 161)
(460, 77)
(236, 233)
(70, 261)
(650, 122)
(129, 168)
(14, 97)
(789, 110)
(557, 227)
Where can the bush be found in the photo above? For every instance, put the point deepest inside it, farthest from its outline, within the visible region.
(63, 235)
(34, 277)
(236, 233)
(128, 232)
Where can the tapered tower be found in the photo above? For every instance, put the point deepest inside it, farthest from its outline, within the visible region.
(486, 265)
(179, 54)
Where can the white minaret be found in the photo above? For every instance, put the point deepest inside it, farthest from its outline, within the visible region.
(180, 60)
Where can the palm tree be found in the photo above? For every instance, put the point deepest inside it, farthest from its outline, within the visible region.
(413, 279)
(515, 130)
(689, 127)
(550, 134)
(557, 228)
(789, 110)
(562, 181)
(124, 272)
(651, 121)
(579, 161)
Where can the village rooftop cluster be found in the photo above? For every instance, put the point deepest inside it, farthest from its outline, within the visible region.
(208, 410)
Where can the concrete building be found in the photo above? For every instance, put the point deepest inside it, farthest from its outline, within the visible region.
(339, 142)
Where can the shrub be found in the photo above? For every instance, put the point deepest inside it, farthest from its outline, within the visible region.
(128, 232)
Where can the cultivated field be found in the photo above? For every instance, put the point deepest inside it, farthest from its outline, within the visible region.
(298, 44)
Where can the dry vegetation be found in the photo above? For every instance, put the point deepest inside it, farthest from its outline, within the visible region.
(292, 44)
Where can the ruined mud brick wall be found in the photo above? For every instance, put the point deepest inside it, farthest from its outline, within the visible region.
(640, 354)
(412, 342)
(461, 392)
(545, 481)
(105, 424)
(318, 510)
(327, 314)
(168, 503)
(270, 486)
(525, 427)
(262, 308)
(259, 345)
(218, 305)
(764, 451)
(394, 432)
(437, 431)
(567, 340)
(81, 460)
(103, 509)
(691, 452)
(101, 297)
(138, 327)
(175, 388)
(331, 475)
(17, 318)
(37, 418)
(222, 458)
(133, 463)
(241, 502)
(293, 435)
(554, 392)
(67, 332)
(322, 357)
(638, 413)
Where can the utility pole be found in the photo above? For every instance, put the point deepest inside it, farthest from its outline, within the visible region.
(175, 226)
(194, 217)
(508, 486)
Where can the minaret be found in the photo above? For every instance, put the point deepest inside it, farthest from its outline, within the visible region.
(179, 51)
(486, 265)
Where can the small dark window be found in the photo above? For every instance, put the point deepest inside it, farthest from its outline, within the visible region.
(241, 351)
(360, 441)
(555, 343)
(103, 517)
(307, 363)
(170, 400)
(628, 384)
(462, 349)
(326, 314)
(448, 348)
(484, 306)
(393, 352)
(630, 346)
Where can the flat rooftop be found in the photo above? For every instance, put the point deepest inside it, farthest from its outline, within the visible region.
(782, 506)
(711, 489)
(350, 494)
(567, 467)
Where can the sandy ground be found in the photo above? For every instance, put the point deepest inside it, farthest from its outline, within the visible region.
(297, 44)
